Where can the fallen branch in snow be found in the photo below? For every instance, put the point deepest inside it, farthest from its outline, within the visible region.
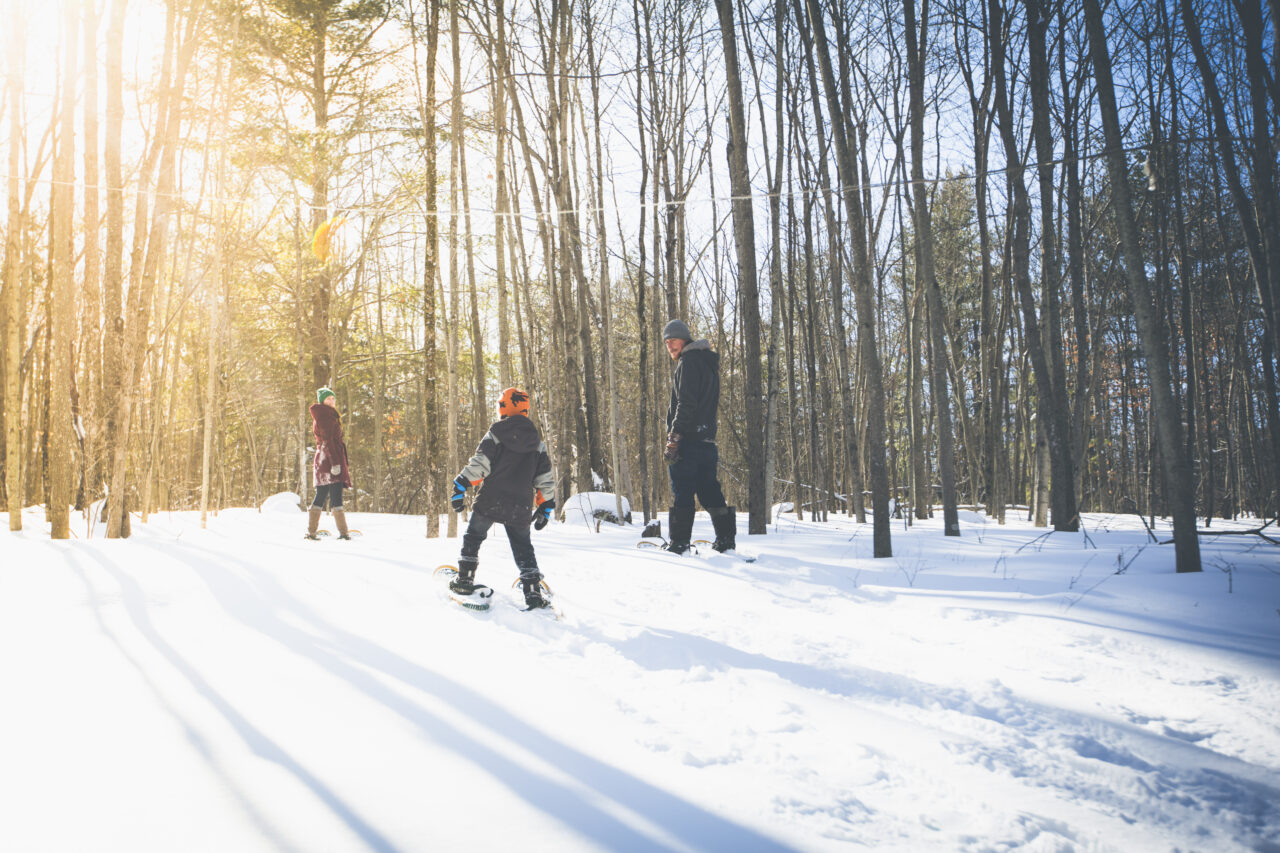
(1036, 541)
(1143, 519)
(1252, 531)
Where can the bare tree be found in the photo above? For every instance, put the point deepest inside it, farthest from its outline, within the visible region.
(864, 294)
(13, 302)
(926, 276)
(1152, 335)
(62, 302)
(745, 241)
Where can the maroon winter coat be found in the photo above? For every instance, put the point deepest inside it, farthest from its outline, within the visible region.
(331, 452)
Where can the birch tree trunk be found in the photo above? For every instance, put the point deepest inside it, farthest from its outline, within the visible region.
(91, 325)
(150, 244)
(502, 205)
(430, 266)
(617, 447)
(13, 302)
(217, 273)
(62, 313)
(451, 321)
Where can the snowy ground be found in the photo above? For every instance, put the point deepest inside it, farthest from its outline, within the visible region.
(241, 689)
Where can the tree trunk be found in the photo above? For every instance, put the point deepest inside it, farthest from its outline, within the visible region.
(62, 313)
(150, 244)
(856, 504)
(502, 205)
(745, 241)
(1152, 336)
(430, 265)
(1266, 269)
(1033, 337)
(864, 294)
(926, 277)
(1058, 428)
(91, 325)
(14, 305)
(451, 321)
(478, 378)
(322, 277)
(216, 274)
(617, 447)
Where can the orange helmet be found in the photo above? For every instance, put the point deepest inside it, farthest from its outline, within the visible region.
(513, 402)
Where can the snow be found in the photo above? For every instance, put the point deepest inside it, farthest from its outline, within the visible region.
(286, 503)
(240, 688)
(581, 508)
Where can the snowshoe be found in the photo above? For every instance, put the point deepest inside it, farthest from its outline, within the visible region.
(463, 590)
(532, 586)
(537, 595)
(707, 548)
(664, 545)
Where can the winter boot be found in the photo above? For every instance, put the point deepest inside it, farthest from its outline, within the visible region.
(531, 581)
(313, 523)
(465, 582)
(680, 528)
(340, 519)
(725, 523)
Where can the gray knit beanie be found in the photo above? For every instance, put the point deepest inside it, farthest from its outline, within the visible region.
(676, 329)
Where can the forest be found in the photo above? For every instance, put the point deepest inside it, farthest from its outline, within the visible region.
(1021, 256)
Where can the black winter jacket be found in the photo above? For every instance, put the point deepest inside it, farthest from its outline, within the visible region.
(695, 393)
(510, 465)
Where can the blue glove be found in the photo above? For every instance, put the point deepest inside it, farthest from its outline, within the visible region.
(459, 491)
(542, 514)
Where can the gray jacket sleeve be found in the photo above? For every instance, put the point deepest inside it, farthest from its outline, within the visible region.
(543, 479)
(482, 461)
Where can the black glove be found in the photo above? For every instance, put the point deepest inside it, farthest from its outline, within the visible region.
(672, 451)
(459, 491)
(542, 514)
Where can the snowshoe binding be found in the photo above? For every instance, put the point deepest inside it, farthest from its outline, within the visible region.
(534, 589)
(680, 523)
(537, 595)
(723, 519)
(463, 590)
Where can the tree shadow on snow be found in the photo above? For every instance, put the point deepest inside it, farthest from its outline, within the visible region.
(135, 604)
(254, 598)
(1225, 783)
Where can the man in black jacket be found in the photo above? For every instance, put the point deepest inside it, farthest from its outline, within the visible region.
(691, 452)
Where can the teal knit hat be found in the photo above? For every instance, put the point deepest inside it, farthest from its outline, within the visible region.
(322, 393)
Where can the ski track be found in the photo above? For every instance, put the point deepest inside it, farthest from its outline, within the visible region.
(240, 688)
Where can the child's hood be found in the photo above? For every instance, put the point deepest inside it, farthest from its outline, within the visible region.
(518, 433)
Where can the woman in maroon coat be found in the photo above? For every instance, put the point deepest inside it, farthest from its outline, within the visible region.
(331, 469)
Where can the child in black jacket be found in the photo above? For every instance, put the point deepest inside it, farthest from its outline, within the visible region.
(512, 468)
